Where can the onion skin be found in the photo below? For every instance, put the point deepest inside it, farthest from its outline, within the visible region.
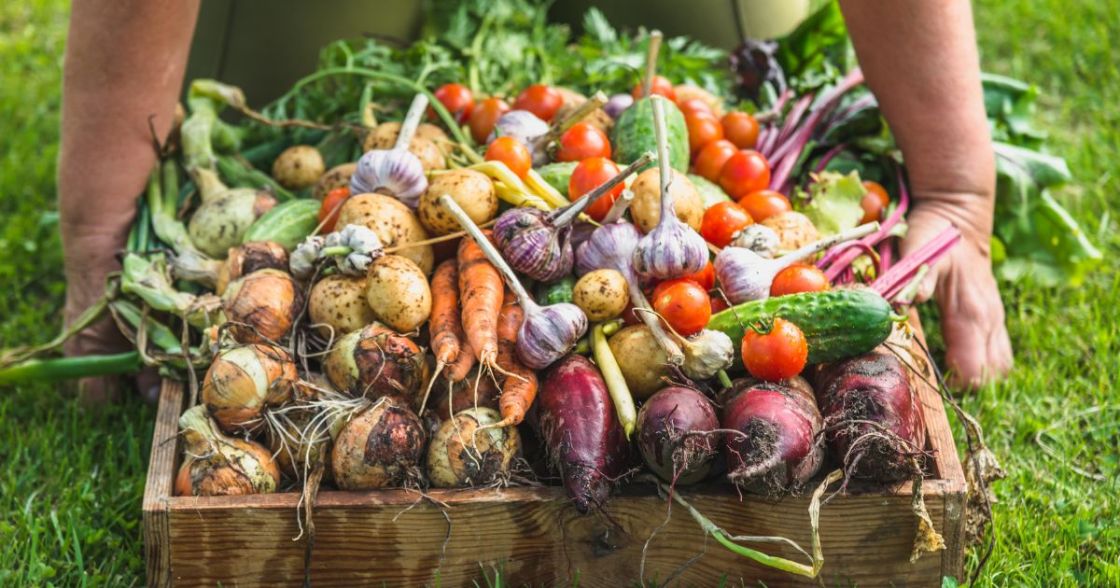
(216, 465)
(379, 448)
(242, 381)
(376, 362)
(248, 258)
(262, 306)
(663, 422)
(463, 454)
(582, 435)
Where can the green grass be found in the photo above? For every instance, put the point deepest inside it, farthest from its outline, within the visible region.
(71, 479)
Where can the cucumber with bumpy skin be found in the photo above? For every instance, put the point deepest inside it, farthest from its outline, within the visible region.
(556, 292)
(287, 224)
(837, 324)
(634, 135)
(558, 174)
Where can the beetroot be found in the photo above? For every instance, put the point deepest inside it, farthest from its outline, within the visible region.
(582, 435)
(873, 415)
(664, 426)
(779, 421)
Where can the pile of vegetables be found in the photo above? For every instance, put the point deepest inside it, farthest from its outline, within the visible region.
(454, 261)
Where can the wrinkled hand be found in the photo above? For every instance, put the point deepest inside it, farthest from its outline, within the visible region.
(972, 318)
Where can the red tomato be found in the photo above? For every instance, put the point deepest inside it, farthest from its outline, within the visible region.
(702, 129)
(484, 116)
(583, 141)
(660, 86)
(874, 202)
(777, 355)
(629, 317)
(711, 157)
(511, 152)
(332, 202)
(706, 277)
(763, 204)
(799, 277)
(721, 222)
(540, 100)
(683, 304)
(590, 174)
(695, 106)
(744, 172)
(457, 99)
(741, 129)
(719, 304)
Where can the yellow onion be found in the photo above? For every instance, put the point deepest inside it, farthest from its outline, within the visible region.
(242, 381)
(262, 306)
(380, 447)
(468, 451)
(300, 435)
(244, 259)
(217, 465)
(376, 362)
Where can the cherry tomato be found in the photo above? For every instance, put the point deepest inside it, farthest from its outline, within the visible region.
(799, 277)
(694, 106)
(583, 141)
(719, 304)
(741, 129)
(332, 202)
(744, 172)
(540, 100)
(683, 304)
(711, 157)
(629, 317)
(590, 174)
(457, 99)
(776, 355)
(660, 86)
(721, 221)
(511, 152)
(874, 202)
(705, 277)
(702, 129)
(763, 204)
(484, 116)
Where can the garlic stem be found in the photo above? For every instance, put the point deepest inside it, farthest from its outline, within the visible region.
(569, 213)
(210, 186)
(645, 312)
(651, 61)
(663, 168)
(411, 121)
(491, 252)
(807, 251)
(619, 207)
(581, 112)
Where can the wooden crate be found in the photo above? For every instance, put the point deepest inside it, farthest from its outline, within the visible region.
(392, 538)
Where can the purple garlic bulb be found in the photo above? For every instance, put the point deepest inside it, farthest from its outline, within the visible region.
(395, 172)
(671, 250)
(549, 333)
(533, 245)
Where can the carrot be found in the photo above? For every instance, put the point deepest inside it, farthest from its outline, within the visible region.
(481, 287)
(458, 369)
(520, 386)
(444, 326)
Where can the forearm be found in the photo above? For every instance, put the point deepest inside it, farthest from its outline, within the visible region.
(124, 66)
(920, 59)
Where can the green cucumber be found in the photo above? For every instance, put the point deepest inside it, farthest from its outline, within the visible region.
(288, 223)
(633, 134)
(558, 174)
(556, 292)
(837, 323)
(710, 192)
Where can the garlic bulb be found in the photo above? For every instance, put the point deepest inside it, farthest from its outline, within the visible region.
(354, 247)
(396, 172)
(706, 353)
(672, 249)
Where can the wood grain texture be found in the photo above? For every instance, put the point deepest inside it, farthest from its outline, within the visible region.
(399, 538)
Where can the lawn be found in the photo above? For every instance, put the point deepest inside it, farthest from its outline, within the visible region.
(71, 478)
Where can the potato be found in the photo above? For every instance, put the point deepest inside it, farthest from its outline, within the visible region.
(298, 167)
(471, 190)
(394, 223)
(641, 359)
(398, 294)
(688, 92)
(429, 144)
(337, 305)
(336, 177)
(601, 294)
(646, 208)
(794, 230)
(573, 100)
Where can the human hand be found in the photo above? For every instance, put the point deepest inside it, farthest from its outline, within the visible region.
(978, 348)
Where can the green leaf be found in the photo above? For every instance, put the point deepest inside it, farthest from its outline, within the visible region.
(834, 202)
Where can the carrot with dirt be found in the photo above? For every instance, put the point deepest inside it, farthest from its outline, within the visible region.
(445, 328)
(520, 386)
(481, 290)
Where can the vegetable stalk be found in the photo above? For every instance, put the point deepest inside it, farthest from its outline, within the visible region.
(616, 384)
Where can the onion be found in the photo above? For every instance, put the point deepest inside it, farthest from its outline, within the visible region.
(244, 380)
(217, 465)
(224, 215)
(468, 450)
(262, 306)
(380, 447)
(242, 260)
(376, 362)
